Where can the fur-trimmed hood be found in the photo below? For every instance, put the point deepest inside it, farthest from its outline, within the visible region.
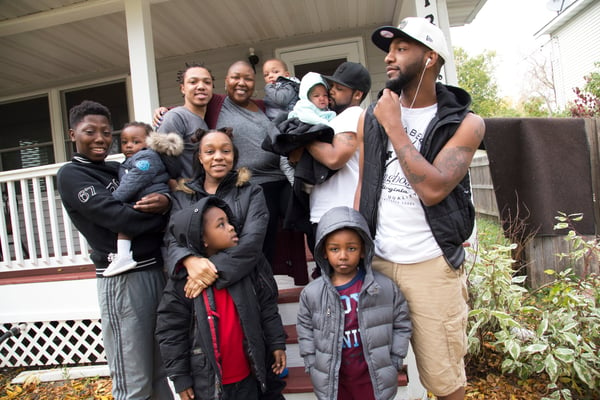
(242, 177)
(170, 144)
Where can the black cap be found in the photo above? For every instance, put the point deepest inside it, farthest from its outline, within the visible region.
(352, 75)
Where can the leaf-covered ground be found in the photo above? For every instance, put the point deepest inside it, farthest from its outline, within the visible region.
(76, 389)
(485, 382)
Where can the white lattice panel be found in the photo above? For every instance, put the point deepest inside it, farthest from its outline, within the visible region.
(54, 343)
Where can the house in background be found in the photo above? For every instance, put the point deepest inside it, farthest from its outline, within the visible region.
(574, 46)
(126, 54)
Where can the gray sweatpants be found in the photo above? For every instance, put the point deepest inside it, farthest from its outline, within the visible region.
(128, 305)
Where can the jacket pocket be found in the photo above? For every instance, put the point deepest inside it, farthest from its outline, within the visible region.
(203, 376)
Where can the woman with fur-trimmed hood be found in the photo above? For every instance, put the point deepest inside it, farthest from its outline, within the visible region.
(215, 174)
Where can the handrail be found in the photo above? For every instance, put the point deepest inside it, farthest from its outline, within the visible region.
(35, 230)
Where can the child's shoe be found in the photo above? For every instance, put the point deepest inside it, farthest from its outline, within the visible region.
(119, 264)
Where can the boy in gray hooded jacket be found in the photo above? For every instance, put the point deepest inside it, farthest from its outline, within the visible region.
(353, 323)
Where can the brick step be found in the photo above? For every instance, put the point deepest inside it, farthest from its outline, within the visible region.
(291, 295)
(291, 334)
(298, 381)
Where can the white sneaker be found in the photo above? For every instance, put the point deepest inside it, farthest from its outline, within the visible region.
(119, 264)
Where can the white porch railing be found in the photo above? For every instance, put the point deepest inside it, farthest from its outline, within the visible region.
(35, 230)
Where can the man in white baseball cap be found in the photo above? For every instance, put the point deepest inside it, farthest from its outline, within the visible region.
(417, 29)
(418, 141)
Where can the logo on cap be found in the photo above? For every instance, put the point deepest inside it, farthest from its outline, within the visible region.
(428, 39)
(386, 34)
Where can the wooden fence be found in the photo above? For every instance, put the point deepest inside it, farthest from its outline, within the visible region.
(541, 252)
(484, 197)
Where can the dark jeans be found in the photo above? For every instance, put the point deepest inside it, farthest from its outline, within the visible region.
(277, 196)
(275, 384)
(246, 389)
(311, 238)
(311, 241)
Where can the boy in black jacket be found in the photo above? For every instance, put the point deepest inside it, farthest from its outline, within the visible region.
(214, 344)
(127, 302)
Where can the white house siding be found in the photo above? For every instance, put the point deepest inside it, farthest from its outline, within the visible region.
(576, 46)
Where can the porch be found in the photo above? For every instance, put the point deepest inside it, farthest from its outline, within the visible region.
(48, 285)
(47, 280)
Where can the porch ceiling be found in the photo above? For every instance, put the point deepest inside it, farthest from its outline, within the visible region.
(45, 43)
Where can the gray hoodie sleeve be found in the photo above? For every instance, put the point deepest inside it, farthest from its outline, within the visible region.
(402, 329)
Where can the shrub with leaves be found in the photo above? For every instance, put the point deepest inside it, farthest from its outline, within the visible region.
(587, 100)
(551, 331)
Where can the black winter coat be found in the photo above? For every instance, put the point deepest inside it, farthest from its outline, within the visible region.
(251, 216)
(183, 330)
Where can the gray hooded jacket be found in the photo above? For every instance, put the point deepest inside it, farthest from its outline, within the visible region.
(383, 318)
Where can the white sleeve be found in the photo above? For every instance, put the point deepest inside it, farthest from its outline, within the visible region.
(347, 121)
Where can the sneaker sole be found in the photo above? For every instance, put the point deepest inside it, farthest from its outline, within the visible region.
(119, 270)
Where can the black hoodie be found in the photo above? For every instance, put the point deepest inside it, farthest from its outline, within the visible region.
(85, 189)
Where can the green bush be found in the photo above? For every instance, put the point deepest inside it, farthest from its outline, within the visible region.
(552, 330)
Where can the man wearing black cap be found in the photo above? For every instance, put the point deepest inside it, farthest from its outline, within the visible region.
(349, 85)
(418, 141)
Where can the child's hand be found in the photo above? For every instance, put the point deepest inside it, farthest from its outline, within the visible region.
(280, 361)
(201, 274)
(187, 394)
(157, 116)
(155, 203)
(295, 156)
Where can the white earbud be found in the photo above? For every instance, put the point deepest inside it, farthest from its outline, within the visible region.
(428, 61)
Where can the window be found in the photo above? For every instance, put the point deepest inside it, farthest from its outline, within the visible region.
(322, 67)
(26, 139)
(323, 57)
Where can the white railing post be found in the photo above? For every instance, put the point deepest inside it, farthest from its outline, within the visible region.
(4, 229)
(68, 229)
(14, 222)
(41, 223)
(52, 208)
(28, 221)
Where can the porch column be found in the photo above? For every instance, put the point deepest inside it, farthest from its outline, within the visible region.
(142, 65)
(443, 21)
(437, 10)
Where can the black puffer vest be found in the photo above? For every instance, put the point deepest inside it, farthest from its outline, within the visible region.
(451, 221)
